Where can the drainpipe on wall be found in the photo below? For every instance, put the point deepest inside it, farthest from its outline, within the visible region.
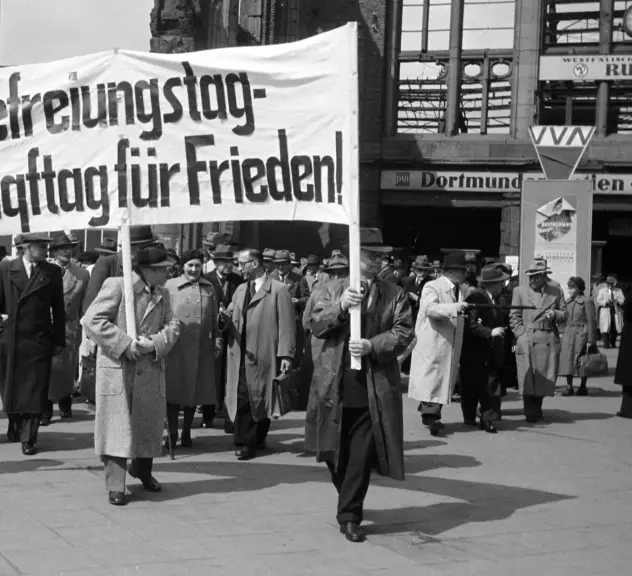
(606, 8)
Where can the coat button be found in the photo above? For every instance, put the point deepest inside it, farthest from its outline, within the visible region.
(198, 314)
(188, 301)
(186, 315)
(139, 372)
(198, 300)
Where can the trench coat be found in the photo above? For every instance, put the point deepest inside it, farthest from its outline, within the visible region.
(388, 325)
(130, 407)
(602, 300)
(580, 328)
(35, 324)
(434, 365)
(64, 368)
(299, 291)
(190, 367)
(537, 350)
(270, 336)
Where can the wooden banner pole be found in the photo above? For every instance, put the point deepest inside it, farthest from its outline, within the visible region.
(128, 281)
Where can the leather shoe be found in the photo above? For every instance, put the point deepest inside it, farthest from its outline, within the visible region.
(469, 422)
(352, 532)
(622, 415)
(206, 424)
(65, 415)
(185, 440)
(434, 429)
(488, 426)
(246, 453)
(44, 421)
(28, 449)
(117, 499)
(582, 391)
(150, 483)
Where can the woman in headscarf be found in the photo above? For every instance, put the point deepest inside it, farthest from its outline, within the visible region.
(580, 333)
(190, 368)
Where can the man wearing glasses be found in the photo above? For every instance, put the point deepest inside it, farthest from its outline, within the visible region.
(261, 345)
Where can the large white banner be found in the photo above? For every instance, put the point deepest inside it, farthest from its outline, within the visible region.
(254, 133)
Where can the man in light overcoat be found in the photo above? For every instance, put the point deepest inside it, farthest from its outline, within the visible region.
(64, 369)
(434, 365)
(130, 379)
(537, 336)
(261, 345)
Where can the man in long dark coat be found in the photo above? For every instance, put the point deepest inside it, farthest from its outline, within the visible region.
(354, 417)
(33, 331)
(224, 282)
(483, 351)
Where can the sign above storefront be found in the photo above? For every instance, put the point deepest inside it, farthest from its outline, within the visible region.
(489, 182)
(588, 67)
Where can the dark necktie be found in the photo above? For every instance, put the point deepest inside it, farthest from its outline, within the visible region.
(456, 293)
(249, 293)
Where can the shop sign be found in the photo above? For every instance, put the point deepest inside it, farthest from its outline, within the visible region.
(586, 68)
(502, 182)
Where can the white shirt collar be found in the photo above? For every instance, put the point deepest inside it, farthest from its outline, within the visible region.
(259, 283)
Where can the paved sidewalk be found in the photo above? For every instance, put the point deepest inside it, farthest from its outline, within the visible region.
(549, 499)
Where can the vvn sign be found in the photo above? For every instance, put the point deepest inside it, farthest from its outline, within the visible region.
(123, 138)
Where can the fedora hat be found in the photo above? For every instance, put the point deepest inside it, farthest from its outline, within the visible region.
(538, 266)
(108, 246)
(18, 240)
(421, 263)
(268, 255)
(313, 260)
(154, 256)
(338, 261)
(371, 239)
(506, 268)
(223, 252)
(491, 274)
(40, 237)
(142, 235)
(90, 256)
(612, 279)
(281, 256)
(293, 259)
(60, 239)
(214, 239)
(454, 261)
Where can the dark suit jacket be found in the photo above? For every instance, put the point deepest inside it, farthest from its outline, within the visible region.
(387, 274)
(410, 286)
(108, 266)
(296, 288)
(479, 348)
(233, 280)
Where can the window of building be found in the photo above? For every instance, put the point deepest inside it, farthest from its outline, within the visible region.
(488, 37)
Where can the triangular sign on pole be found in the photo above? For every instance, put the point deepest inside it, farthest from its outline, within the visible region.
(560, 148)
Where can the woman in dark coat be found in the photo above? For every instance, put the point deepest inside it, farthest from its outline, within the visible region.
(623, 374)
(580, 333)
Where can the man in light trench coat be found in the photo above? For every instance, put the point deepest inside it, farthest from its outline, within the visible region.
(130, 379)
(435, 359)
(537, 336)
(261, 345)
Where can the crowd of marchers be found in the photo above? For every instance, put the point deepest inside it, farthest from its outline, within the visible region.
(217, 327)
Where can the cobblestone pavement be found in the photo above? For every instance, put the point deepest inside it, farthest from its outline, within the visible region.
(550, 499)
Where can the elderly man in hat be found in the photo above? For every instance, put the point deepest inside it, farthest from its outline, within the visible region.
(310, 273)
(537, 336)
(435, 359)
(609, 301)
(355, 417)
(130, 375)
(75, 282)
(268, 260)
(209, 243)
(225, 282)
(483, 351)
(33, 332)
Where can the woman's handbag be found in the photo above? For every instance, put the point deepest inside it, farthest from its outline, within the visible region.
(286, 390)
(87, 384)
(593, 363)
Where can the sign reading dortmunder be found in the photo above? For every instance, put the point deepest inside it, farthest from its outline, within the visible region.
(587, 67)
(501, 182)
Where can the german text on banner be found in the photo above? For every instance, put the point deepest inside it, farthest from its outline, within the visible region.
(253, 133)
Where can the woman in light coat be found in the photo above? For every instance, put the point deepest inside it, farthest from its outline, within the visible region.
(191, 364)
(579, 334)
(130, 373)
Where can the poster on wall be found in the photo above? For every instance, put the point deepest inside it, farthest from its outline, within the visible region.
(556, 226)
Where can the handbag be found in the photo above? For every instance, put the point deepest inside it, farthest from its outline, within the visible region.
(88, 382)
(593, 363)
(286, 390)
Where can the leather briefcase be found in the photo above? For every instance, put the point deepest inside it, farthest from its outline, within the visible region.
(286, 392)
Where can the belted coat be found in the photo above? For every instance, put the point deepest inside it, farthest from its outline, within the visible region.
(191, 364)
(130, 407)
(35, 324)
(270, 336)
(388, 325)
(537, 339)
(434, 365)
(64, 368)
(579, 329)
